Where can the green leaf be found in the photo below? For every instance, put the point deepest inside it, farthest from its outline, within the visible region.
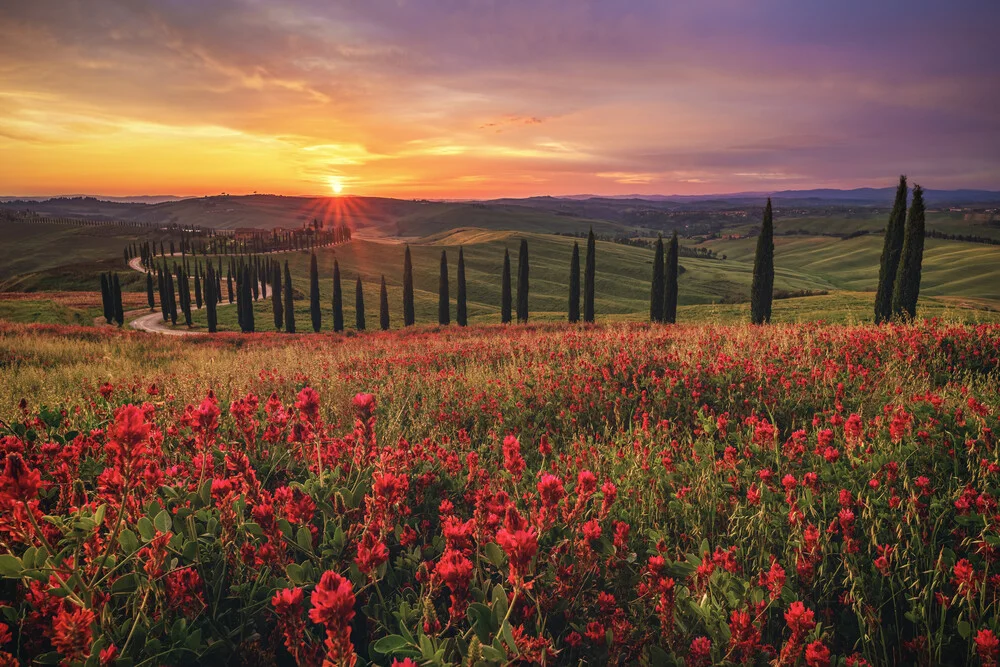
(125, 584)
(146, 529)
(303, 537)
(704, 548)
(163, 521)
(10, 566)
(388, 644)
(508, 637)
(295, 573)
(964, 629)
(128, 541)
(481, 618)
(495, 554)
(492, 654)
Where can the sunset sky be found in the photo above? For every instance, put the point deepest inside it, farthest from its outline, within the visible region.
(418, 98)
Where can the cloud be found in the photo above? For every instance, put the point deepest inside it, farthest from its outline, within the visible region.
(415, 97)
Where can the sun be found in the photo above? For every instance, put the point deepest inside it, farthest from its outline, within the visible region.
(336, 185)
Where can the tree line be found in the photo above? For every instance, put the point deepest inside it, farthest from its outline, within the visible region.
(248, 278)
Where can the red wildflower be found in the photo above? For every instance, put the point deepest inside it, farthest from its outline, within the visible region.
(817, 655)
(987, 647)
(19, 482)
(71, 633)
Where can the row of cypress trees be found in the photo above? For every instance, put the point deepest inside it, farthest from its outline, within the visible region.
(663, 296)
(902, 257)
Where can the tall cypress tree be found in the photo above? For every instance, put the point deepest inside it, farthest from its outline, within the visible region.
(461, 312)
(671, 270)
(762, 287)
(906, 291)
(590, 277)
(168, 280)
(656, 294)
(317, 317)
(149, 290)
(119, 310)
(248, 279)
(505, 301)
(359, 306)
(163, 295)
(522, 282)
(289, 301)
(211, 302)
(106, 299)
(409, 313)
(185, 294)
(277, 307)
(229, 282)
(383, 307)
(338, 299)
(892, 247)
(197, 286)
(574, 284)
(444, 305)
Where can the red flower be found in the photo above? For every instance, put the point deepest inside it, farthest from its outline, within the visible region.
(987, 646)
(332, 601)
(817, 655)
(966, 580)
(18, 481)
(287, 602)
(550, 489)
(307, 403)
(371, 553)
(512, 461)
(701, 651)
(71, 634)
(364, 406)
(520, 546)
(799, 619)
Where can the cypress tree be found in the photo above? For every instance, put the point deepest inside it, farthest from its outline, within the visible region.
(149, 291)
(248, 293)
(197, 286)
(409, 315)
(182, 279)
(906, 291)
(670, 275)
(289, 302)
(106, 300)
(574, 284)
(461, 312)
(163, 296)
(172, 295)
(590, 276)
(317, 316)
(522, 282)
(210, 299)
(359, 306)
(892, 247)
(277, 307)
(444, 306)
(762, 287)
(656, 293)
(383, 307)
(119, 310)
(338, 299)
(229, 282)
(505, 302)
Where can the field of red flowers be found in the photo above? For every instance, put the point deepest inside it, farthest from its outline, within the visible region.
(789, 495)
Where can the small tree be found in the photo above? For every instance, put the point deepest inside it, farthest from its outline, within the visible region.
(656, 293)
(409, 312)
(762, 287)
(574, 284)
(590, 278)
(444, 305)
(229, 283)
(383, 307)
(671, 272)
(505, 300)
(461, 312)
(314, 311)
(522, 282)
(338, 299)
(289, 301)
(907, 288)
(248, 297)
(892, 248)
(197, 286)
(359, 305)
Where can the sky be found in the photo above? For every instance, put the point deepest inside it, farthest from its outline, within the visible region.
(491, 98)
